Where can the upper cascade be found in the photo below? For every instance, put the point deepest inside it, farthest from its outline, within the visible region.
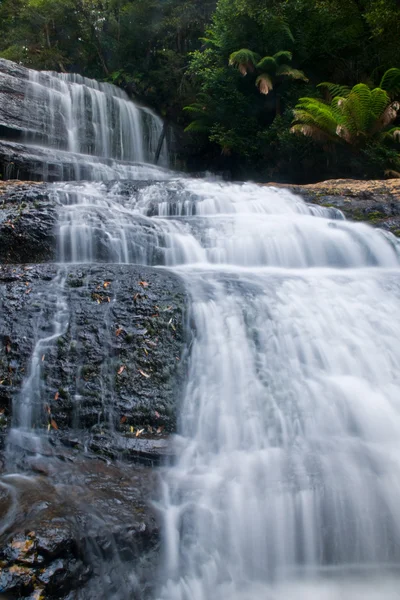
(89, 117)
(66, 119)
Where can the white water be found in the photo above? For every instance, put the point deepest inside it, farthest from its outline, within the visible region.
(84, 116)
(287, 484)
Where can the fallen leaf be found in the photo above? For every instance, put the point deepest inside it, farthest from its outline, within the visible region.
(47, 409)
(135, 297)
(144, 374)
(2, 381)
(106, 284)
(108, 299)
(150, 343)
(123, 419)
(161, 429)
(43, 357)
(144, 284)
(48, 427)
(8, 348)
(149, 429)
(145, 351)
(121, 369)
(57, 395)
(119, 331)
(132, 429)
(157, 415)
(155, 315)
(54, 424)
(139, 432)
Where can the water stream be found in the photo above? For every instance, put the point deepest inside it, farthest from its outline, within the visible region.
(287, 480)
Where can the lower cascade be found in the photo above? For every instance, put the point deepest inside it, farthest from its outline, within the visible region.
(286, 474)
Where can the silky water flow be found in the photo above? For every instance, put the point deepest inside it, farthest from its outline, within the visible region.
(286, 481)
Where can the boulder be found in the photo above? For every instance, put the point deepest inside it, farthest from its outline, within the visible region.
(106, 342)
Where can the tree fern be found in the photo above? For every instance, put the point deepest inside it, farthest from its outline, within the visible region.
(357, 117)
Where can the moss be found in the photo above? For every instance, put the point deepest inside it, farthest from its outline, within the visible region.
(375, 216)
(75, 283)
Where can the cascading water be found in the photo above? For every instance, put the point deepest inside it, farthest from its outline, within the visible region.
(289, 472)
(67, 127)
(287, 475)
(81, 115)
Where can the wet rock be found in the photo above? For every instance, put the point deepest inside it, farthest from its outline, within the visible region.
(27, 223)
(375, 202)
(86, 528)
(117, 365)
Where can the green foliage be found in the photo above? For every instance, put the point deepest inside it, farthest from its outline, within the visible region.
(359, 117)
(239, 67)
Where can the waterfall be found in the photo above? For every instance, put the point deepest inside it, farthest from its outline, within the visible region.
(69, 127)
(288, 473)
(286, 476)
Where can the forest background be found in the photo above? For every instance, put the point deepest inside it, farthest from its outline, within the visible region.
(241, 77)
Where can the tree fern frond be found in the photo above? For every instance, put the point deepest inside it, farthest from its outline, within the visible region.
(335, 89)
(245, 60)
(196, 109)
(288, 71)
(390, 82)
(283, 56)
(264, 83)
(197, 127)
(268, 64)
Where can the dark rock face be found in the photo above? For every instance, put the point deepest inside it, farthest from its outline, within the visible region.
(116, 367)
(375, 202)
(27, 223)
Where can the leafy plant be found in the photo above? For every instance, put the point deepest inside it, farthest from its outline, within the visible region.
(356, 117)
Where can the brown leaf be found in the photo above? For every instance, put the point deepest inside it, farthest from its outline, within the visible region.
(157, 415)
(53, 424)
(119, 331)
(108, 299)
(8, 348)
(106, 284)
(121, 369)
(43, 357)
(144, 374)
(123, 419)
(149, 429)
(161, 429)
(2, 381)
(145, 351)
(47, 409)
(57, 395)
(139, 432)
(155, 315)
(135, 297)
(144, 284)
